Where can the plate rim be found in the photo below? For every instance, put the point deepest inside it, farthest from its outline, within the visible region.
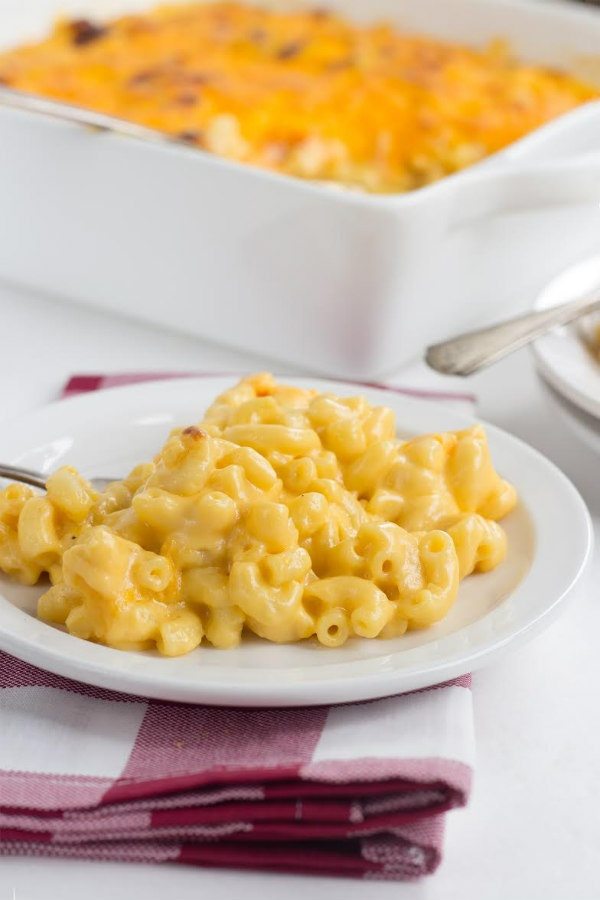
(556, 377)
(299, 693)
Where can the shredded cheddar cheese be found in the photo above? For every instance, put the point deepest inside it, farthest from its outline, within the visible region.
(304, 93)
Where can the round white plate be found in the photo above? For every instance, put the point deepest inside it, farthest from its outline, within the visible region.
(105, 433)
(561, 355)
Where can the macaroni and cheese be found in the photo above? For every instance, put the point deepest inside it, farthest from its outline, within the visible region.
(304, 93)
(285, 513)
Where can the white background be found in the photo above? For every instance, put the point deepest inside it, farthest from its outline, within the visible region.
(532, 829)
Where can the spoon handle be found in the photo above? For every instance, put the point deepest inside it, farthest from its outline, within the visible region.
(25, 476)
(467, 353)
(38, 480)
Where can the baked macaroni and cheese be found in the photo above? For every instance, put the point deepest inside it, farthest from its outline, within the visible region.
(286, 513)
(304, 93)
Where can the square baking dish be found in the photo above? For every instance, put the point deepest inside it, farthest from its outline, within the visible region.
(339, 282)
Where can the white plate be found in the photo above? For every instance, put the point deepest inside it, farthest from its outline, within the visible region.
(561, 355)
(106, 432)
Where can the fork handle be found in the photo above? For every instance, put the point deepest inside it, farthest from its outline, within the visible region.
(25, 476)
(467, 353)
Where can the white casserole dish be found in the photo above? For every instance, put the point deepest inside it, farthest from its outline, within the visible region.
(342, 283)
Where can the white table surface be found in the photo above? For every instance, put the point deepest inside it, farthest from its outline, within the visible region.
(532, 829)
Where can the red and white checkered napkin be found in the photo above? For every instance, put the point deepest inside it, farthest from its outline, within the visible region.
(358, 789)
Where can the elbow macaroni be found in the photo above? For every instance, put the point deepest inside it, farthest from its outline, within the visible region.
(285, 513)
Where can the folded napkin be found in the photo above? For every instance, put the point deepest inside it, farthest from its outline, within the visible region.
(358, 789)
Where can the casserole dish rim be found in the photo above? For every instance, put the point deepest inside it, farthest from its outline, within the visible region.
(349, 194)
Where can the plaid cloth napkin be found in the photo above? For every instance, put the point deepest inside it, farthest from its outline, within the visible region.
(357, 790)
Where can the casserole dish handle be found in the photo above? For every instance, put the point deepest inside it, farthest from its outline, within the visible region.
(524, 188)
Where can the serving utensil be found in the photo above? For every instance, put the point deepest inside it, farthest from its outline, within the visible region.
(471, 351)
(38, 480)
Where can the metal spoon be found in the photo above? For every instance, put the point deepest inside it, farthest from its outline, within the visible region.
(36, 479)
(469, 352)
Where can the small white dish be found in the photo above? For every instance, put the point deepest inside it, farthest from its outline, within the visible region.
(562, 356)
(105, 433)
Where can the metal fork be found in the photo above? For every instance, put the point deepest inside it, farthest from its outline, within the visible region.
(38, 480)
